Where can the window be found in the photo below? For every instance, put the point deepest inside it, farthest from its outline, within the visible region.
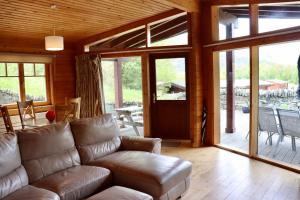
(234, 22)
(23, 81)
(278, 16)
(9, 83)
(35, 82)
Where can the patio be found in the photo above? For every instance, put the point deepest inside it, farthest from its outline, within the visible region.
(239, 141)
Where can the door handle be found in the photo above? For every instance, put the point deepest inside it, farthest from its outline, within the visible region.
(153, 98)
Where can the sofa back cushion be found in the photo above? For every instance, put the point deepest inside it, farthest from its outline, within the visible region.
(48, 149)
(96, 137)
(12, 174)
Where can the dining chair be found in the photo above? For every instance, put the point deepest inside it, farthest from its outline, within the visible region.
(74, 107)
(70, 110)
(26, 111)
(290, 125)
(6, 118)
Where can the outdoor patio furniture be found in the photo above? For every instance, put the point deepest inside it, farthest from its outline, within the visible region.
(131, 114)
(267, 122)
(290, 125)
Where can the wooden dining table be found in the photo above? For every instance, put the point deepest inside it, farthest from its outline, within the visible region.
(37, 122)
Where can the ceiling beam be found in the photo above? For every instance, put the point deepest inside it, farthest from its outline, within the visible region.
(186, 5)
(92, 40)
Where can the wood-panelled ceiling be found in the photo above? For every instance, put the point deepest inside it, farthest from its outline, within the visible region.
(73, 19)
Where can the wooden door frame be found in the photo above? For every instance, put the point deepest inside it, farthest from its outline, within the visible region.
(152, 81)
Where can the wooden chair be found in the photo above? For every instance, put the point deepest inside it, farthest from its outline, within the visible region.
(26, 111)
(70, 110)
(6, 118)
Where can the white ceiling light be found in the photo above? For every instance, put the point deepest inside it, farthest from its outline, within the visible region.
(53, 42)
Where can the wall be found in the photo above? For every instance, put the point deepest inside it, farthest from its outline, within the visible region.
(63, 68)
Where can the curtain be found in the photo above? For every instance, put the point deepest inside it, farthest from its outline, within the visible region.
(89, 85)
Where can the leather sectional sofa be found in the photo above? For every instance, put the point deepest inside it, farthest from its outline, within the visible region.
(77, 160)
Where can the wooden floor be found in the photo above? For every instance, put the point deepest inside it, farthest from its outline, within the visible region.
(218, 174)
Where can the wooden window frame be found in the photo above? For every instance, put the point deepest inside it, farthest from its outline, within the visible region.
(252, 41)
(22, 88)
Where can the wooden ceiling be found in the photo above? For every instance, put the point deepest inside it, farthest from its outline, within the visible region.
(73, 19)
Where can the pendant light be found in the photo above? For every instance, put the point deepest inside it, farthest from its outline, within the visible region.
(53, 42)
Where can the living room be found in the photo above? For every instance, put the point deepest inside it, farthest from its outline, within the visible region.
(152, 99)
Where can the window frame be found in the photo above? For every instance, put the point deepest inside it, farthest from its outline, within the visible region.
(22, 88)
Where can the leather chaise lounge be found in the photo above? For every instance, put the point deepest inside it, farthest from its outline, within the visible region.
(75, 161)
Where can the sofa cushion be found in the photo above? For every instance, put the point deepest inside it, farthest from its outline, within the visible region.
(12, 174)
(76, 182)
(46, 150)
(96, 137)
(146, 172)
(120, 193)
(32, 193)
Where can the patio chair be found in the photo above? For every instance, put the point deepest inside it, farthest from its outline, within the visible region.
(290, 125)
(267, 122)
(6, 118)
(26, 111)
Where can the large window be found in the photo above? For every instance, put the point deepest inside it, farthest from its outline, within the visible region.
(234, 98)
(23, 81)
(259, 77)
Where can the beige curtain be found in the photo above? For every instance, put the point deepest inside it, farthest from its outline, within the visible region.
(89, 85)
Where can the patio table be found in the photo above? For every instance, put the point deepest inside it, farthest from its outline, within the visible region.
(128, 113)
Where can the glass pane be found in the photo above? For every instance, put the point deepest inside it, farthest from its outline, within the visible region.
(9, 90)
(122, 82)
(40, 69)
(170, 32)
(108, 85)
(234, 22)
(12, 69)
(28, 69)
(132, 81)
(279, 102)
(2, 69)
(278, 16)
(170, 79)
(234, 98)
(35, 88)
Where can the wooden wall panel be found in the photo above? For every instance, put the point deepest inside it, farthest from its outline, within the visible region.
(63, 67)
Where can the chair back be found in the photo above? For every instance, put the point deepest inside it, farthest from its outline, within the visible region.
(71, 109)
(267, 120)
(26, 111)
(6, 118)
(289, 122)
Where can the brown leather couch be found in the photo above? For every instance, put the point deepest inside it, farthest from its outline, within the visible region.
(56, 168)
(52, 162)
(13, 177)
(134, 162)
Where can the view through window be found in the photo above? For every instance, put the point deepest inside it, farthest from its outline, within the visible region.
(14, 75)
(122, 82)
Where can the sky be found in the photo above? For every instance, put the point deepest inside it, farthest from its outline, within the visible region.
(283, 53)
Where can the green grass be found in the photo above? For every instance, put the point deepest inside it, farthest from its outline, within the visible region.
(129, 95)
(33, 86)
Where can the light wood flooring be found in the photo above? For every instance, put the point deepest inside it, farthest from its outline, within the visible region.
(218, 174)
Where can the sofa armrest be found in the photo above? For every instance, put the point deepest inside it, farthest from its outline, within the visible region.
(152, 145)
